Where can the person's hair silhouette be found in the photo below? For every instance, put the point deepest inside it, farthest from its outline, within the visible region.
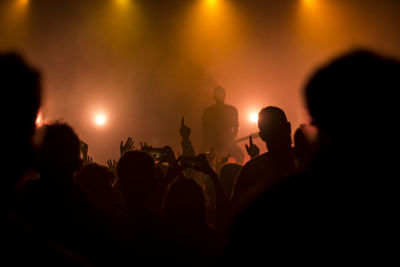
(303, 149)
(59, 154)
(97, 181)
(351, 94)
(185, 202)
(137, 178)
(21, 93)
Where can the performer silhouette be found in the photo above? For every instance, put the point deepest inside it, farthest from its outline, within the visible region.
(220, 127)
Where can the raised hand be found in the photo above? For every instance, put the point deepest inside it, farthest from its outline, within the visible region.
(144, 146)
(128, 146)
(84, 150)
(210, 156)
(112, 164)
(204, 165)
(173, 169)
(224, 159)
(252, 149)
(170, 156)
(184, 130)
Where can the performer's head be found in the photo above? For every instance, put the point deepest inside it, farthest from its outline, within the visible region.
(219, 94)
(274, 127)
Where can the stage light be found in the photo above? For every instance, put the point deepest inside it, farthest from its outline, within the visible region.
(123, 3)
(212, 5)
(39, 120)
(22, 3)
(253, 117)
(309, 2)
(310, 5)
(100, 119)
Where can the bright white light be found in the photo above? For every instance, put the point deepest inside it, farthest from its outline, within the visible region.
(100, 119)
(253, 117)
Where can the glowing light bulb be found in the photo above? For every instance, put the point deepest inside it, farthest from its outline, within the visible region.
(100, 119)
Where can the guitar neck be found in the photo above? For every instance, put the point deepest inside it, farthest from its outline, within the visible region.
(253, 135)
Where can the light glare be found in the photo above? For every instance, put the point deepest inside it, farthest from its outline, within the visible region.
(22, 3)
(39, 120)
(123, 2)
(100, 120)
(308, 2)
(254, 117)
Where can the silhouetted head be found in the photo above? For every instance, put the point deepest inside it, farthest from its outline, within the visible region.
(304, 149)
(137, 176)
(95, 178)
(20, 86)
(59, 153)
(227, 175)
(274, 127)
(219, 94)
(354, 93)
(301, 143)
(185, 202)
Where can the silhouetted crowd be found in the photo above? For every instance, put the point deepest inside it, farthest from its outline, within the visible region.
(331, 200)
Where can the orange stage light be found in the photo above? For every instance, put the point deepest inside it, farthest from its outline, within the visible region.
(100, 119)
(253, 117)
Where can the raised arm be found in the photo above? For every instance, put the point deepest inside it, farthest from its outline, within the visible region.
(187, 147)
(223, 204)
(252, 149)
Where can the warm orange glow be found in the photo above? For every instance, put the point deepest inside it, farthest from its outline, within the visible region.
(22, 3)
(123, 3)
(309, 2)
(117, 25)
(213, 30)
(19, 10)
(316, 23)
(211, 4)
(123, 7)
(100, 119)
